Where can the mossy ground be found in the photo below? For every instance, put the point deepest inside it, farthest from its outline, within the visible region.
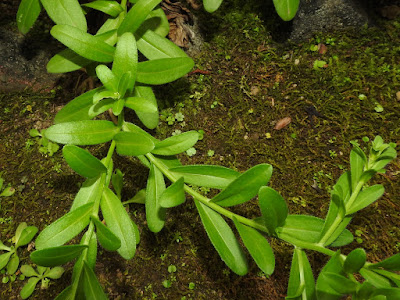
(251, 82)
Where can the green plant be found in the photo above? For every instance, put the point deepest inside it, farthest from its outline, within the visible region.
(5, 191)
(41, 274)
(46, 147)
(23, 235)
(127, 85)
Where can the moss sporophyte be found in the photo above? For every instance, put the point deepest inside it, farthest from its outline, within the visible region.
(97, 212)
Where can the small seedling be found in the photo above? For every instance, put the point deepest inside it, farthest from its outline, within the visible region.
(5, 191)
(191, 151)
(319, 64)
(23, 235)
(43, 273)
(46, 147)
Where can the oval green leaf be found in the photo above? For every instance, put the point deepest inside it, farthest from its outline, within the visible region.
(206, 175)
(367, 196)
(29, 287)
(339, 283)
(68, 12)
(150, 120)
(107, 239)
(85, 132)
(258, 247)
(155, 214)
(244, 187)
(176, 144)
(82, 162)
(141, 105)
(211, 5)
(133, 144)
(26, 236)
(174, 195)
(55, 256)
(91, 285)
(85, 44)
(392, 263)
(111, 8)
(273, 208)
(64, 228)
(286, 9)
(90, 191)
(355, 261)
(165, 70)
(301, 286)
(27, 14)
(107, 78)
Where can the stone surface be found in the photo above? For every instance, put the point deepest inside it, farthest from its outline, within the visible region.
(325, 15)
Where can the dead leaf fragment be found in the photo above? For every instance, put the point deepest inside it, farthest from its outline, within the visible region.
(283, 123)
(322, 49)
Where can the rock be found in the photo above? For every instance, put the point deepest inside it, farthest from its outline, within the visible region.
(325, 15)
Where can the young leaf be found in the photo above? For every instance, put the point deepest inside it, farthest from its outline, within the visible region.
(19, 231)
(345, 238)
(133, 144)
(107, 78)
(104, 94)
(139, 198)
(107, 239)
(386, 294)
(67, 12)
(13, 264)
(111, 8)
(392, 263)
(124, 84)
(117, 182)
(77, 109)
(28, 271)
(119, 223)
(29, 287)
(339, 283)
(273, 208)
(258, 247)
(245, 186)
(118, 106)
(154, 46)
(286, 9)
(355, 261)
(130, 127)
(165, 70)
(150, 120)
(55, 273)
(301, 280)
(82, 162)
(26, 236)
(83, 43)
(136, 15)
(176, 144)
(141, 105)
(223, 239)
(90, 190)
(206, 175)
(55, 256)
(126, 59)
(91, 285)
(155, 214)
(174, 195)
(211, 5)
(85, 132)
(4, 258)
(365, 198)
(357, 163)
(64, 228)
(27, 14)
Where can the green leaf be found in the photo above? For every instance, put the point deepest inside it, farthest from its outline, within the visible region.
(365, 198)
(107, 78)
(206, 175)
(65, 228)
(155, 214)
(13, 264)
(133, 144)
(111, 8)
(375, 279)
(153, 46)
(86, 132)
(141, 105)
(156, 21)
(323, 288)
(91, 285)
(55, 273)
(124, 84)
(67, 12)
(150, 120)
(386, 294)
(130, 127)
(345, 238)
(301, 280)
(139, 198)
(118, 106)
(4, 258)
(211, 5)
(286, 9)
(104, 94)
(119, 222)
(4, 247)
(136, 15)
(82, 162)
(111, 24)
(66, 294)
(390, 275)
(7, 192)
(126, 58)
(83, 43)
(26, 236)
(339, 283)
(300, 227)
(66, 61)
(165, 70)
(244, 187)
(176, 144)
(29, 287)
(27, 14)
(77, 109)
(19, 231)
(100, 107)
(258, 247)
(357, 163)
(107, 239)
(28, 271)
(355, 261)
(223, 239)
(273, 208)
(55, 256)
(392, 263)
(90, 191)
(117, 182)
(174, 195)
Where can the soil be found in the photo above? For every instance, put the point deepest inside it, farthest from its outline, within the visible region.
(243, 84)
